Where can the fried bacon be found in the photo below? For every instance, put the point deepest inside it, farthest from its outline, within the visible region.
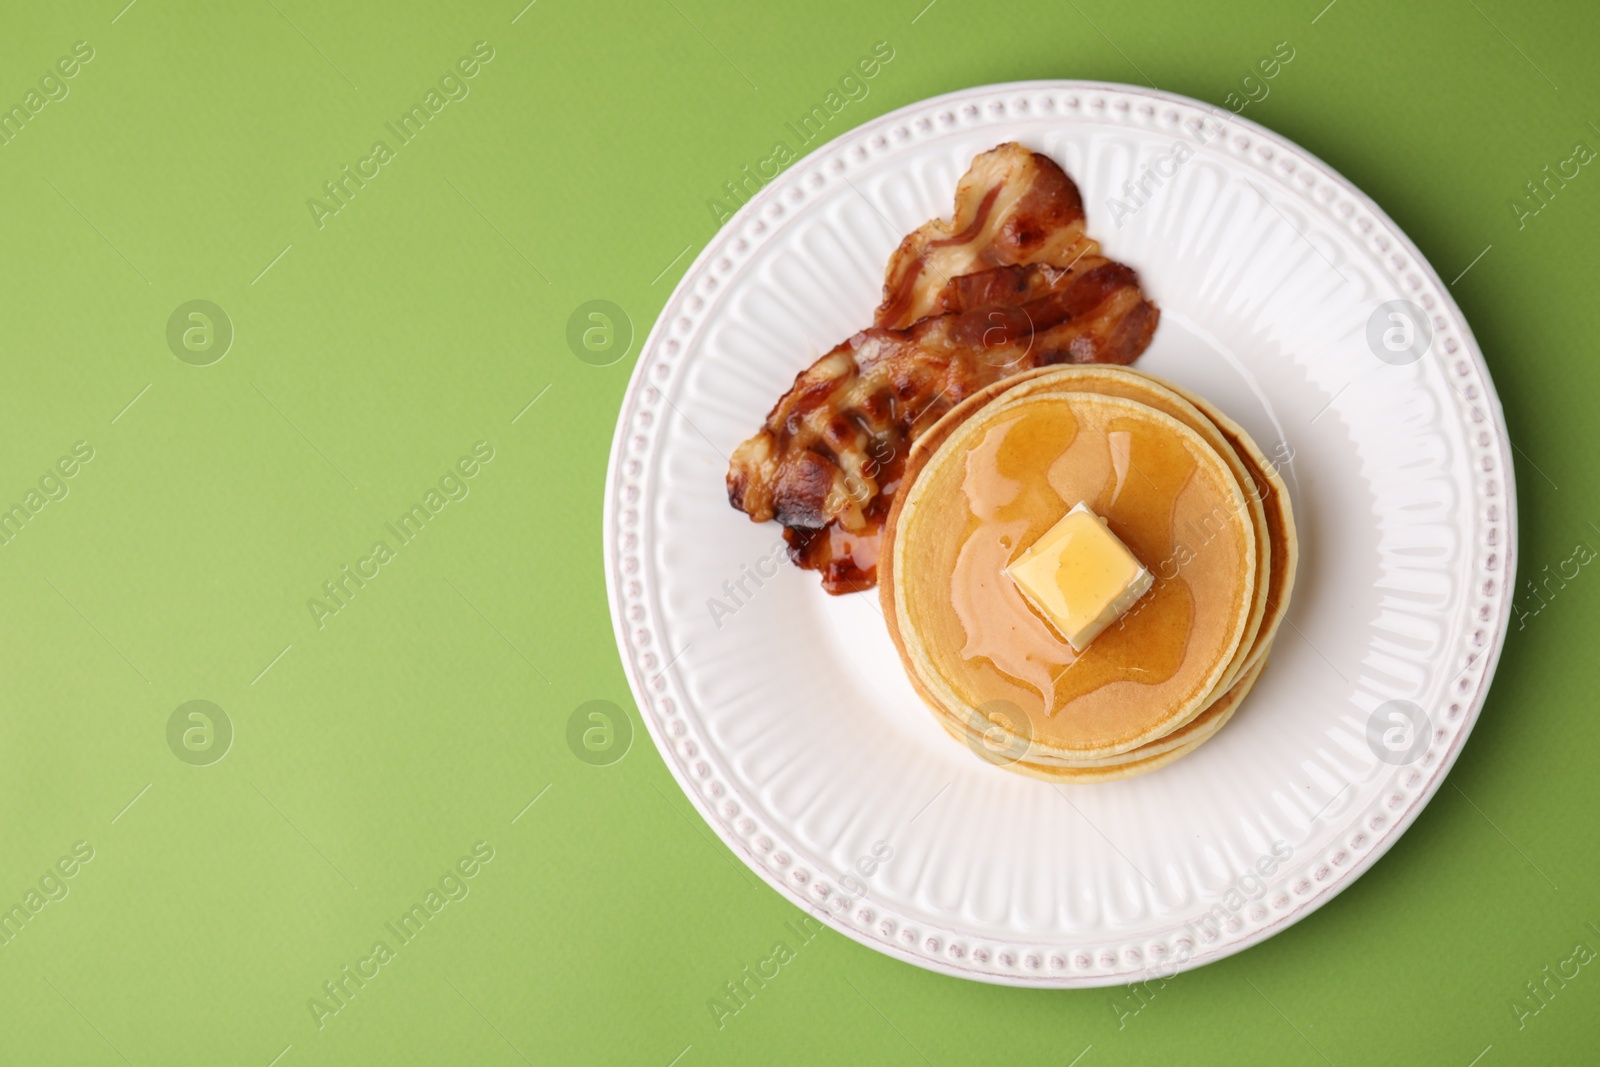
(1013, 207)
(1008, 284)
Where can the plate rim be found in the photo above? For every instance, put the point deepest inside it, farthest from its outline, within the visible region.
(1225, 944)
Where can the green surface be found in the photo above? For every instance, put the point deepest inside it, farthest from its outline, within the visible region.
(375, 751)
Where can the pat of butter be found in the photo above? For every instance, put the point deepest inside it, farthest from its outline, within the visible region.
(1080, 577)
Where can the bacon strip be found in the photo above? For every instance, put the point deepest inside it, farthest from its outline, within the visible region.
(1009, 283)
(1013, 207)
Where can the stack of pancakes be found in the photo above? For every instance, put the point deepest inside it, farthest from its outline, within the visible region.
(1182, 486)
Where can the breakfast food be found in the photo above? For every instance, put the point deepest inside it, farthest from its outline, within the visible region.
(1010, 283)
(1013, 208)
(1189, 498)
(1082, 566)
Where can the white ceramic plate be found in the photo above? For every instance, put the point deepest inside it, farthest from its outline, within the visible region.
(784, 713)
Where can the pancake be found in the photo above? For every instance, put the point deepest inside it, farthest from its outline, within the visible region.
(1145, 388)
(1274, 496)
(987, 485)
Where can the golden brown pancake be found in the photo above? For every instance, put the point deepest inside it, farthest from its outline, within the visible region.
(1147, 389)
(999, 731)
(985, 489)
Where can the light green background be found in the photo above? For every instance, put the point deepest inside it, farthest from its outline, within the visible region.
(427, 714)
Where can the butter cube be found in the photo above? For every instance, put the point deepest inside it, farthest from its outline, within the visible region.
(1079, 576)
